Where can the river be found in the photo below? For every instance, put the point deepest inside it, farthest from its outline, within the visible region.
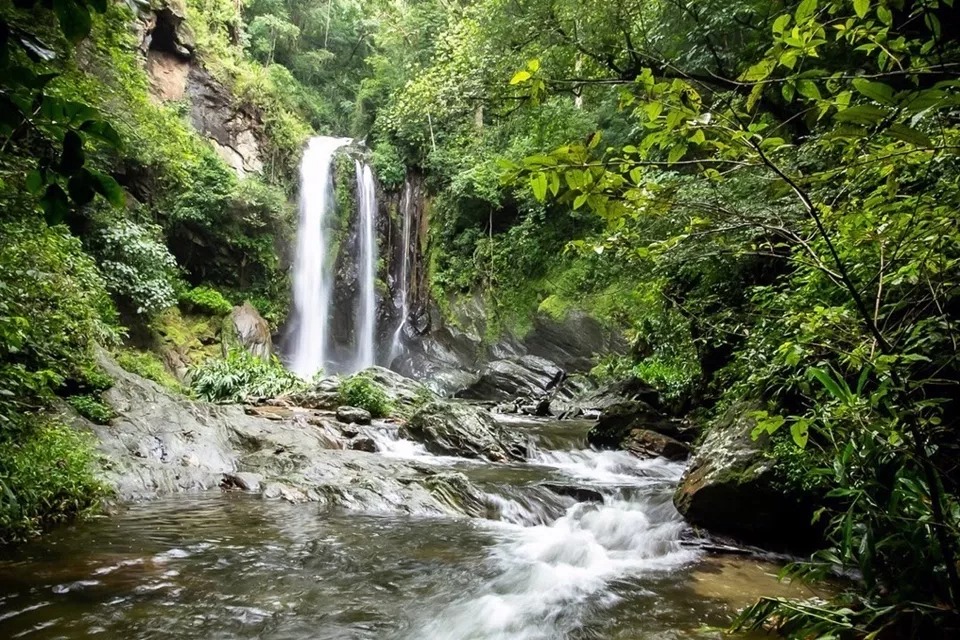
(577, 544)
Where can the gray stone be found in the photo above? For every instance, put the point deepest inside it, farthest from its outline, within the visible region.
(646, 443)
(355, 415)
(244, 327)
(242, 480)
(730, 487)
(451, 428)
(363, 443)
(162, 443)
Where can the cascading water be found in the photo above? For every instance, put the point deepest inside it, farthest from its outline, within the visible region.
(367, 260)
(405, 207)
(312, 275)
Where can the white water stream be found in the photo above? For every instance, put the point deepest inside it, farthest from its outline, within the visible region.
(367, 271)
(312, 271)
(314, 281)
(405, 259)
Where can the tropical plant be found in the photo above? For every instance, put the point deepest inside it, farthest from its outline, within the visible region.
(240, 377)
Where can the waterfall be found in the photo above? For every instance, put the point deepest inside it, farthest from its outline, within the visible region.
(406, 211)
(312, 273)
(367, 263)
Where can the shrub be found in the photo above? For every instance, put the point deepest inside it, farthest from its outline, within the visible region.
(360, 390)
(92, 408)
(46, 478)
(147, 365)
(240, 376)
(136, 266)
(205, 300)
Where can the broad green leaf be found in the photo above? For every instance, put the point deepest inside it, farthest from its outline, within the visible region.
(800, 430)
(538, 181)
(806, 10)
(878, 91)
(885, 15)
(109, 188)
(74, 19)
(781, 23)
(861, 7)
(579, 201)
(521, 76)
(808, 89)
(865, 114)
(72, 157)
(34, 181)
(533, 65)
(911, 135)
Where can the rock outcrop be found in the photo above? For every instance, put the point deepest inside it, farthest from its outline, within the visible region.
(244, 327)
(457, 429)
(730, 487)
(161, 443)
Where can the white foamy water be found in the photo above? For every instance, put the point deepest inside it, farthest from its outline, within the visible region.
(366, 316)
(312, 273)
(609, 467)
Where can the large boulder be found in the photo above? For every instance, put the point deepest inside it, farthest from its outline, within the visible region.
(514, 377)
(572, 339)
(619, 421)
(731, 486)
(244, 327)
(457, 429)
(650, 444)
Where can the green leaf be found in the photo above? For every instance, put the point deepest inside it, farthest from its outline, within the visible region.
(865, 114)
(55, 204)
(109, 188)
(824, 378)
(885, 15)
(74, 19)
(861, 7)
(808, 89)
(80, 188)
(34, 181)
(878, 91)
(806, 10)
(781, 23)
(72, 157)
(911, 135)
(800, 431)
(533, 65)
(538, 181)
(554, 183)
(579, 201)
(521, 76)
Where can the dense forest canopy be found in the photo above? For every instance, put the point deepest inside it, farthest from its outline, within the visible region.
(763, 196)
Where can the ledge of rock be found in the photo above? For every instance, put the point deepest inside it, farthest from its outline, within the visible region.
(450, 428)
(162, 443)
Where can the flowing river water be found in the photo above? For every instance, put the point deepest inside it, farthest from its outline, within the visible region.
(577, 544)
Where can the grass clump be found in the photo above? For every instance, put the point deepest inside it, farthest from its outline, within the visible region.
(92, 408)
(147, 364)
(360, 390)
(240, 376)
(46, 478)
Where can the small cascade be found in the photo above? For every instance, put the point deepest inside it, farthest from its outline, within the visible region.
(312, 273)
(405, 259)
(367, 261)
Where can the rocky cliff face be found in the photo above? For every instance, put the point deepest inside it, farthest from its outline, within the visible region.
(167, 45)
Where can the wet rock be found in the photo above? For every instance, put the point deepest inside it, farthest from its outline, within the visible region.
(242, 480)
(162, 443)
(646, 443)
(580, 494)
(245, 328)
(573, 340)
(503, 380)
(730, 487)
(354, 414)
(618, 420)
(449, 428)
(363, 443)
